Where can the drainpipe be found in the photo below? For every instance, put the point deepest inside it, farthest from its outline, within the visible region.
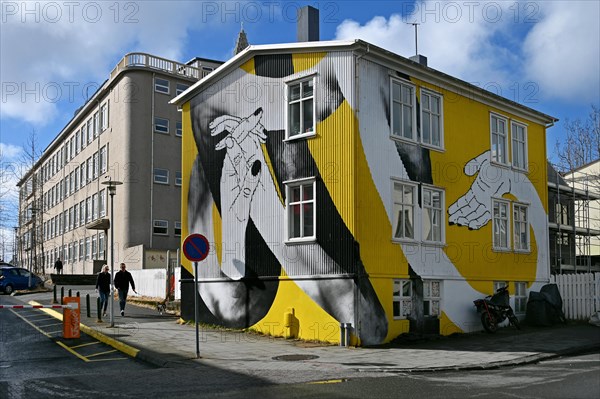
(152, 166)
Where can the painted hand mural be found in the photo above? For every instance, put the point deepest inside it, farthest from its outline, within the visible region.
(239, 178)
(474, 208)
(242, 164)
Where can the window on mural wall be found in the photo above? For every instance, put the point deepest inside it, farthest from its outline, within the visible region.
(431, 297)
(431, 119)
(403, 110)
(500, 224)
(520, 297)
(521, 227)
(519, 145)
(499, 139)
(402, 299)
(433, 206)
(301, 115)
(301, 209)
(403, 210)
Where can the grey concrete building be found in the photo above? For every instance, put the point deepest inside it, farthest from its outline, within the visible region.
(125, 132)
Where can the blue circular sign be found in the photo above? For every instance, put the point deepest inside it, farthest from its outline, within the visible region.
(195, 247)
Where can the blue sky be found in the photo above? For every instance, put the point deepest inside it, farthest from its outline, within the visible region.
(543, 54)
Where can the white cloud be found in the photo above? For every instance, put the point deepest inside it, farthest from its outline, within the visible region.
(499, 44)
(9, 152)
(562, 51)
(456, 39)
(60, 48)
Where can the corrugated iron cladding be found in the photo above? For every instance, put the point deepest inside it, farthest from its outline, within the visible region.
(248, 91)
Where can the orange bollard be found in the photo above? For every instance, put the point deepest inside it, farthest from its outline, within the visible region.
(71, 318)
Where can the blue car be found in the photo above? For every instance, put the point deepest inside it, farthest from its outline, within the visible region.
(16, 278)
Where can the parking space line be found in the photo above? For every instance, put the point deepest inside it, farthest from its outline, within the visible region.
(50, 325)
(89, 343)
(101, 353)
(85, 359)
(31, 324)
(54, 334)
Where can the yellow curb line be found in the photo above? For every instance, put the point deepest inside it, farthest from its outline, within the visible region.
(120, 346)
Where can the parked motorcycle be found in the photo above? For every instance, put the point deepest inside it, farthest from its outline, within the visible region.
(494, 309)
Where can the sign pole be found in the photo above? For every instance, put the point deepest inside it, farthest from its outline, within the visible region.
(196, 293)
(195, 249)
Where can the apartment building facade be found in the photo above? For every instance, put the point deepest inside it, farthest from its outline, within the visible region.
(344, 187)
(126, 132)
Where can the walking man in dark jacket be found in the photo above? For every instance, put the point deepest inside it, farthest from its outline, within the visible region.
(58, 266)
(103, 288)
(122, 280)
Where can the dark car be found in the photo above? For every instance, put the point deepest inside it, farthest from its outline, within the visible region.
(16, 278)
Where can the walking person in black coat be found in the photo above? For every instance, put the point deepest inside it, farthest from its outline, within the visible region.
(122, 280)
(103, 288)
(58, 266)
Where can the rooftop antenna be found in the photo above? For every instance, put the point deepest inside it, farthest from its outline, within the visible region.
(416, 25)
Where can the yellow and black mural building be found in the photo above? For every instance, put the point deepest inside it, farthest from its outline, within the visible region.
(340, 183)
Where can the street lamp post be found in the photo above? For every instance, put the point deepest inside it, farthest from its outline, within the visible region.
(112, 190)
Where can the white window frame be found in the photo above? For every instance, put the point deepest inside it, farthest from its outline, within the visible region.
(104, 109)
(442, 214)
(160, 178)
(159, 125)
(516, 144)
(177, 226)
(90, 130)
(94, 247)
(520, 297)
(96, 124)
(432, 303)
(180, 88)
(178, 178)
(102, 203)
(431, 116)
(302, 183)
(88, 248)
(160, 224)
(103, 159)
(519, 224)
(301, 101)
(395, 221)
(101, 244)
(494, 123)
(81, 250)
(179, 129)
(161, 87)
(413, 113)
(402, 295)
(88, 209)
(495, 228)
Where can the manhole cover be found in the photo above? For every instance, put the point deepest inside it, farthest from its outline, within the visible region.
(295, 358)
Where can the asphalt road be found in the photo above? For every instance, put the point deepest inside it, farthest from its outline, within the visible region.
(35, 362)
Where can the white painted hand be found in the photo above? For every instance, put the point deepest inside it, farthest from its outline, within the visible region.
(474, 209)
(240, 177)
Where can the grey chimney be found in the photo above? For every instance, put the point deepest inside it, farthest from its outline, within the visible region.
(421, 59)
(308, 24)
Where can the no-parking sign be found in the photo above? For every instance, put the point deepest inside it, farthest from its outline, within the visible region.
(195, 247)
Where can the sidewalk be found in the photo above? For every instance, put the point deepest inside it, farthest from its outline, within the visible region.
(160, 340)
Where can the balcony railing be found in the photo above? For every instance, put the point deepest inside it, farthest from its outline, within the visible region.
(159, 64)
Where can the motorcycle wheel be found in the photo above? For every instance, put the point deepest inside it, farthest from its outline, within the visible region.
(514, 321)
(489, 322)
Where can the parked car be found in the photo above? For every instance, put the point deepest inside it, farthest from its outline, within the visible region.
(16, 278)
